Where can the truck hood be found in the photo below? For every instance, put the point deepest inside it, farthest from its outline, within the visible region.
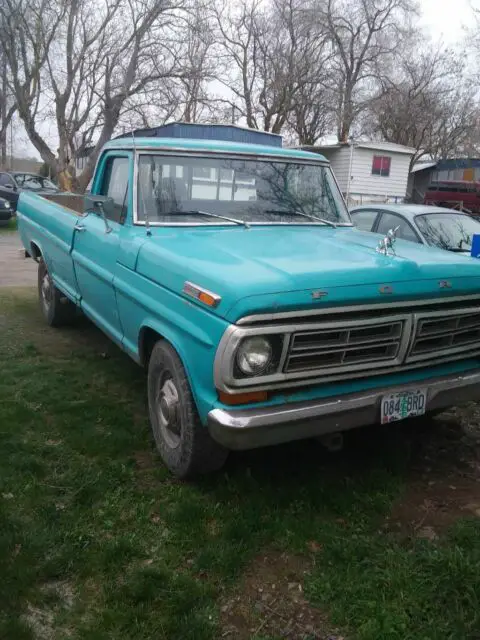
(276, 268)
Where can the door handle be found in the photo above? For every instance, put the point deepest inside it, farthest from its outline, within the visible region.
(80, 227)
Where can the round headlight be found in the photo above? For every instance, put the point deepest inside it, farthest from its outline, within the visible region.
(254, 355)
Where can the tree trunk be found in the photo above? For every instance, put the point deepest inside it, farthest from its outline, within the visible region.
(3, 115)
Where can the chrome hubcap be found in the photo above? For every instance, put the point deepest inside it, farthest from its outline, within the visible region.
(47, 291)
(167, 406)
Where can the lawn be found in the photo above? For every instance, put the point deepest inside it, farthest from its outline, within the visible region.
(97, 541)
(11, 226)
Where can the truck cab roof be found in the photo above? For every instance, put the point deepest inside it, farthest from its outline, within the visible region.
(211, 146)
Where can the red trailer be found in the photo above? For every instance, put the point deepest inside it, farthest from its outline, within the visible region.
(459, 194)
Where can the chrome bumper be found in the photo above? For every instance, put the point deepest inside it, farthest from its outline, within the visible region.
(252, 428)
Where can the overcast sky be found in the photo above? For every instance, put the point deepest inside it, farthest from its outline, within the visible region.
(443, 19)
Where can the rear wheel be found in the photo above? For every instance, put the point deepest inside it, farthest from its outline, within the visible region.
(184, 444)
(56, 308)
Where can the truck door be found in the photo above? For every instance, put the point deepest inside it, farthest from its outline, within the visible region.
(96, 245)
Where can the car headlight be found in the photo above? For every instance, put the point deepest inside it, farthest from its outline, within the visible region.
(6, 204)
(254, 355)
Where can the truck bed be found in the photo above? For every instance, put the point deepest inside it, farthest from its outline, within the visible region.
(75, 202)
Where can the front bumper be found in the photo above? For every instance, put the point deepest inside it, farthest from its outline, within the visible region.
(252, 428)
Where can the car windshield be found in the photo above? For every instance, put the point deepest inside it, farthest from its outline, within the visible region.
(178, 189)
(451, 231)
(34, 182)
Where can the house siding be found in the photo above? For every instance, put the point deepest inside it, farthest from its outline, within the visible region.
(364, 183)
(340, 163)
(365, 187)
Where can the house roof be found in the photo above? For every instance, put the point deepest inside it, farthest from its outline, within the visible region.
(373, 145)
(421, 166)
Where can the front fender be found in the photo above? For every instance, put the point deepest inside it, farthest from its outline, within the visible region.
(193, 332)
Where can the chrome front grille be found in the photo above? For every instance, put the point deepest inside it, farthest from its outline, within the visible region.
(359, 341)
(352, 345)
(442, 334)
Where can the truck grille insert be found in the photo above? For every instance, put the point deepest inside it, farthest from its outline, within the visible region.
(351, 346)
(347, 343)
(444, 334)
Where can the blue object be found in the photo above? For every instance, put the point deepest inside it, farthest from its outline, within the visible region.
(137, 282)
(224, 132)
(475, 252)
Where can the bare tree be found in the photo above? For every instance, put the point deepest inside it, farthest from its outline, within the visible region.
(424, 106)
(238, 70)
(267, 53)
(7, 110)
(80, 62)
(364, 34)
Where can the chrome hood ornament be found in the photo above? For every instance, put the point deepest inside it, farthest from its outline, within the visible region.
(386, 244)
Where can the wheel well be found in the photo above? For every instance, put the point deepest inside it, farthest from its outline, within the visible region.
(147, 340)
(35, 251)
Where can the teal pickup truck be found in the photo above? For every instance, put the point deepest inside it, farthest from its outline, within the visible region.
(232, 272)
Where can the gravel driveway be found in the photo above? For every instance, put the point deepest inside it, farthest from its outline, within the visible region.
(15, 269)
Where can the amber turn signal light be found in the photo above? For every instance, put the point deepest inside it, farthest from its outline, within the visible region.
(242, 398)
(203, 295)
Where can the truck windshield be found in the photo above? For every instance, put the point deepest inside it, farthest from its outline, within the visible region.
(171, 189)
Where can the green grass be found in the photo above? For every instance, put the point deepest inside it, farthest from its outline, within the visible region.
(11, 226)
(97, 540)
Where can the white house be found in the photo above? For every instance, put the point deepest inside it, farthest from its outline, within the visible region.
(369, 171)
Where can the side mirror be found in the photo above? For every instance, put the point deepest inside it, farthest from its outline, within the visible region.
(102, 206)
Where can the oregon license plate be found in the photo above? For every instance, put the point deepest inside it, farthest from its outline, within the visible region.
(406, 404)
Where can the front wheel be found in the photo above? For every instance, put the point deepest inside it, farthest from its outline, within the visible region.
(184, 444)
(57, 310)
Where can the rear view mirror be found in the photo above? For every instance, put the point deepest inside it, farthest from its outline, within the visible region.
(102, 206)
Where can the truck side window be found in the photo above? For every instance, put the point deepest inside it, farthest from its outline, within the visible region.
(115, 185)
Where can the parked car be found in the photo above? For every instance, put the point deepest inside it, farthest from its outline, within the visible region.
(443, 228)
(233, 273)
(6, 212)
(14, 182)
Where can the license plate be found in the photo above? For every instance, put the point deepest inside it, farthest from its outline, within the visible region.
(406, 404)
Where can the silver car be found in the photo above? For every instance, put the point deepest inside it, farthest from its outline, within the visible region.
(444, 228)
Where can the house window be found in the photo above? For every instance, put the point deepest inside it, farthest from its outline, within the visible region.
(381, 166)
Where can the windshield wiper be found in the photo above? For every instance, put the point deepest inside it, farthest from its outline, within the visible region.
(303, 215)
(197, 212)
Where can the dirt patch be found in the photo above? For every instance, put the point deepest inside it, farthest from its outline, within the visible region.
(41, 619)
(147, 464)
(445, 482)
(270, 603)
(429, 508)
(145, 460)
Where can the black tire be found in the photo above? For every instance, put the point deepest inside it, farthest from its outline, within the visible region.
(56, 308)
(184, 444)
